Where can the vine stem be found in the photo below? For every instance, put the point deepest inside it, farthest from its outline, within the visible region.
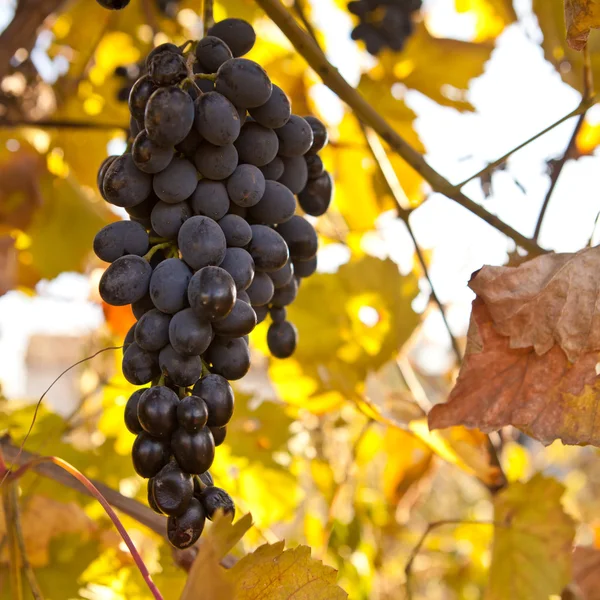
(331, 77)
(415, 551)
(208, 19)
(16, 583)
(588, 87)
(93, 490)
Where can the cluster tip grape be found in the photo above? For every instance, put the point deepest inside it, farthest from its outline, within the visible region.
(214, 245)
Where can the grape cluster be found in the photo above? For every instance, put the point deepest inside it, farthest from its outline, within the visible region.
(213, 246)
(383, 23)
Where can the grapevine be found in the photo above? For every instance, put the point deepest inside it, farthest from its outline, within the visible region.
(214, 245)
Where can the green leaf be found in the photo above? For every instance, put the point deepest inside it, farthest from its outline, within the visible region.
(531, 557)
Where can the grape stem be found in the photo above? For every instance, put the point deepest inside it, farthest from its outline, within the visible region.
(207, 16)
(12, 477)
(331, 77)
(148, 256)
(209, 76)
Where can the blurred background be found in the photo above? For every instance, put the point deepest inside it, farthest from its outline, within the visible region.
(329, 448)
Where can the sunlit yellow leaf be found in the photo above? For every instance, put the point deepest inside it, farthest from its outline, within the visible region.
(492, 16)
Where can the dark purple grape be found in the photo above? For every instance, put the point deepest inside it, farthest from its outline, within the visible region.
(190, 144)
(267, 248)
(148, 156)
(229, 357)
(194, 452)
(212, 293)
(157, 411)
(168, 286)
(177, 182)
(277, 205)
(141, 212)
(210, 199)
(282, 276)
(285, 295)
(113, 4)
(173, 489)
(217, 119)
(216, 162)
(256, 145)
(139, 366)
(273, 170)
(282, 339)
(167, 219)
(246, 185)
(219, 434)
(239, 264)
(141, 307)
(262, 289)
(192, 413)
(320, 135)
(261, 313)
(201, 242)
(169, 116)
(151, 502)
(240, 321)
(166, 47)
(301, 238)
(185, 530)
(141, 91)
(119, 239)
(214, 499)
(124, 184)
(183, 371)
(295, 137)
(166, 68)
(295, 174)
(218, 396)
(275, 112)
(236, 230)
(314, 164)
(188, 334)
(131, 418)
(102, 172)
(126, 280)
(149, 455)
(278, 314)
(152, 331)
(244, 82)
(305, 268)
(211, 53)
(236, 33)
(315, 198)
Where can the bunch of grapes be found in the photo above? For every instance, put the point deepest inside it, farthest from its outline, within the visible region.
(383, 23)
(213, 247)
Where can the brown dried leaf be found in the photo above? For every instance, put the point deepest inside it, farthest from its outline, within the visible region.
(581, 16)
(552, 299)
(586, 573)
(545, 396)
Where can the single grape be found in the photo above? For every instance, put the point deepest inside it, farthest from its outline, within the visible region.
(119, 239)
(194, 452)
(113, 4)
(256, 145)
(148, 156)
(151, 502)
(201, 242)
(295, 137)
(166, 68)
(168, 285)
(216, 162)
(213, 499)
(149, 455)
(246, 185)
(315, 198)
(210, 199)
(185, 530)
(104, 166)
(236, 230)
(218, 396)
(314, 165)
(278, 314)
(285, 295)
(267, 248)
(282, 276)
(239, 322)
(131, 418)
(244, 82)
(305, 268)
(211, 53)
(239, 264)
(182, 370)
(217, 119)
(173, 489)
(177, 182)
(276, 206)
(219, 434)
(262, 289)
(295, 174)
(236, 33)
(275, 112)
(282, 339)
(274, 169)
(212, 293)
(125, 281)
(228, 357)
(139, 366)
(261, 313)
(142, 306)
(167, 219)
(301, 238)
(152, 331)
(242, 295)
(188, 334)
(166, 47)
(320, 135)
(190, 144)
(124, 184)
(157, 411)
(169, 116)
(192, 414)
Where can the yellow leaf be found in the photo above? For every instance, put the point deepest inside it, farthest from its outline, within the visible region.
(272, 573)
(531, 556)
(581, 16)
(491, 16)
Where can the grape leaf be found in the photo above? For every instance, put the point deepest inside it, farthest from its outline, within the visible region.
(544, 396)
(491, 16)
(272, 573)
(531, 555)
(581, 16)
(586, 573)
(551, 299)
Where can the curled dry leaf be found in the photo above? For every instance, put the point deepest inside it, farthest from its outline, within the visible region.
(552, 299)
(581, 16)
(545, 396)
